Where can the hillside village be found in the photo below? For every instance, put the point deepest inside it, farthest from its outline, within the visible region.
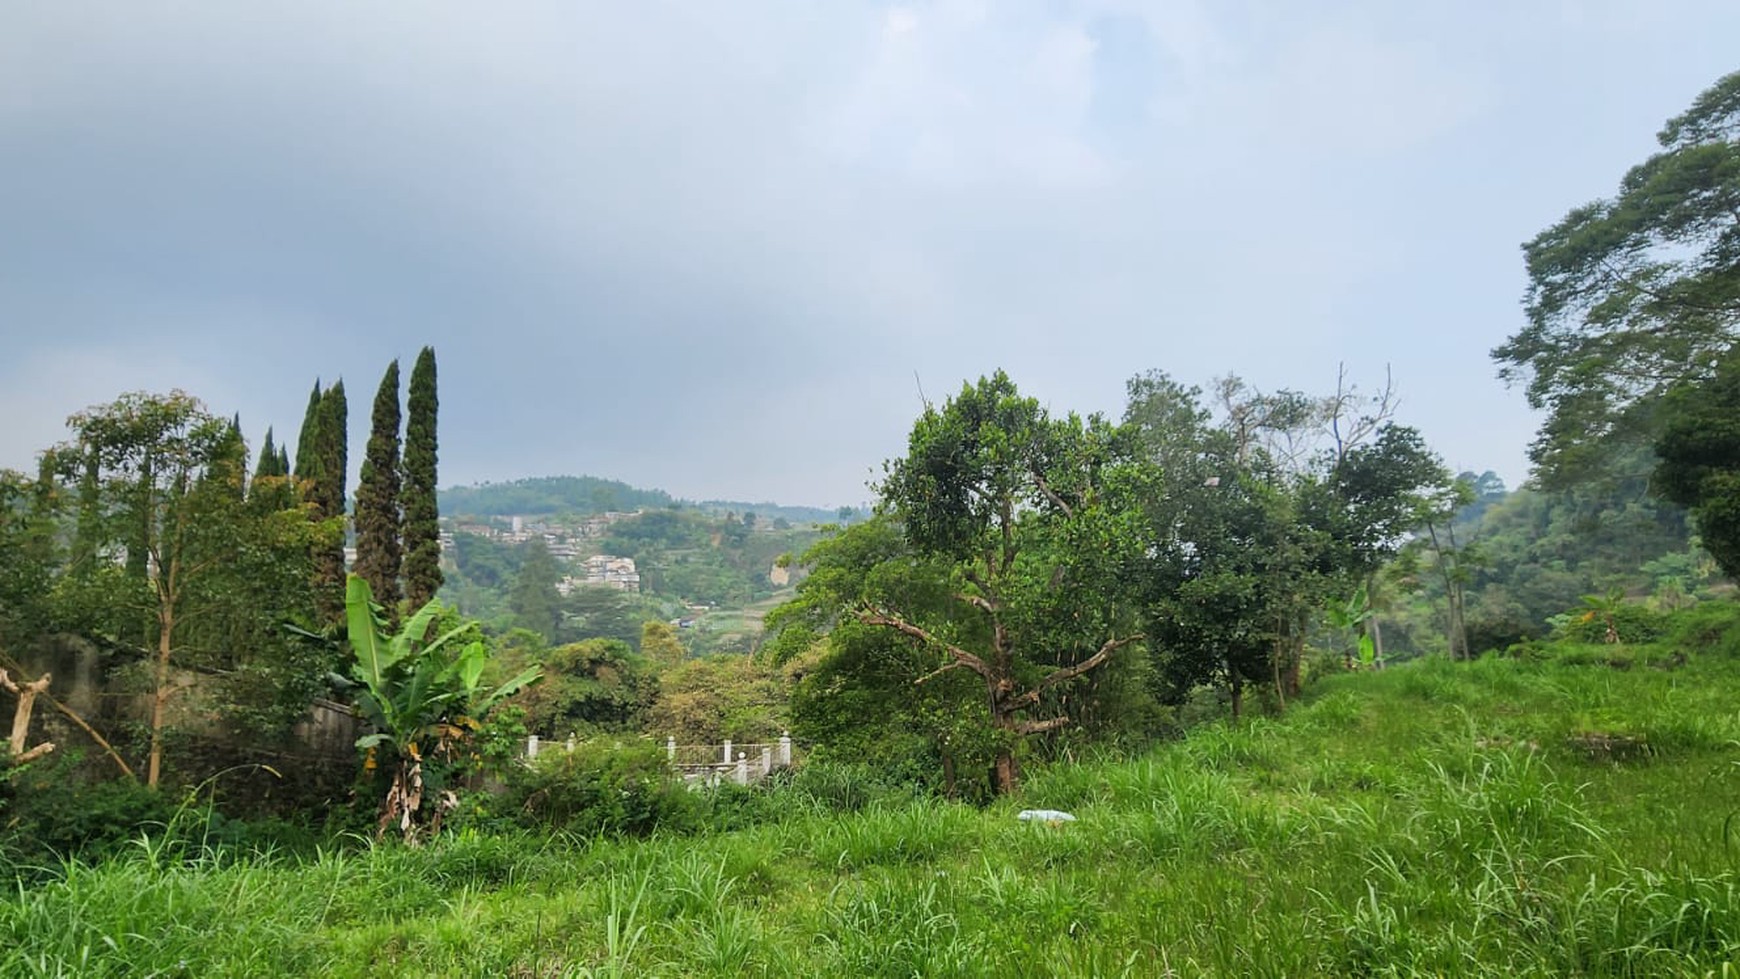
(710, 570)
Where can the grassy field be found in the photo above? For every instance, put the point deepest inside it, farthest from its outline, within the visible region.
(1495, 818)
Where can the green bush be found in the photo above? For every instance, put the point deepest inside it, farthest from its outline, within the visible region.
(601, 787)
(49, 813)
(1634, 624)
(1708, 627)
(1495, 633)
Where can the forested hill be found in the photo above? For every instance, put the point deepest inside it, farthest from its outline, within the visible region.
(585, 495)
(579, 495)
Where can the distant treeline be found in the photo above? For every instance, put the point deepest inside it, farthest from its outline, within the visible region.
(585, 495)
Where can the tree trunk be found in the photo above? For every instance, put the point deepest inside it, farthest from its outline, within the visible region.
(1008, 773)
(948, 762)
(1280, 691)
(1235, 685)
(160, 695)
(1295, 662)
(1458, 625)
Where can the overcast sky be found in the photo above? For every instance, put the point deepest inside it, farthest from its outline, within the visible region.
(716, 247)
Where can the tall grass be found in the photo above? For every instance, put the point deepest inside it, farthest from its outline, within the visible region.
(1435, 819)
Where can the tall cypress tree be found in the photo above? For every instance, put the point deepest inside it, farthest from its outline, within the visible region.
(272, 488)
(422, 537)
(330, 461)
(377, 499)
(229, 463)
(268, 462)
(331, 444)
(307, 456)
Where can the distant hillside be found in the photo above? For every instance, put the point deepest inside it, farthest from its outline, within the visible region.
(578, 495)
(796, 515)
(586, 495)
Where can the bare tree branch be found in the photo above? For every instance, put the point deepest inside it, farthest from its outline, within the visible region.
(979, 602)
(906, 628)
(73, 716)
(1040, 727)
(1056, 677)
(1050, 494)
(953, 664)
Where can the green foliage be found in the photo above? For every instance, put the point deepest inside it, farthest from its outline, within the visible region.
(1352, 615)
(604, 612)
(1524, 557)
(267, 464)
(704, 701)
(1263, 518)
(1610, 619)
(51, 813)
(1633, 293)
(28, 556)
(591, 685)
(1031, 525)
(1699, 450)
(421, 536)
(660, 644)
(163, 480)
(601, 788)
(1429, 819)
(533, 598)
(700, 557)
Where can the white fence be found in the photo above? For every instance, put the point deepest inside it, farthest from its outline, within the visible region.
(708, 764)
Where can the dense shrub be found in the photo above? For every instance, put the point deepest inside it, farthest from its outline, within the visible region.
(1498, 633)
(1634, 624)
(601, 787)
(1712, 628)
(49, 813)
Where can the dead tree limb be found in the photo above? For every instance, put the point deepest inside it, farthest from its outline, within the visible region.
(81, 724)
(27, 694)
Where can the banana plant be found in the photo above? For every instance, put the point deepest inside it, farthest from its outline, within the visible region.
(1605, 608)
(422, 696)
(1353, 614)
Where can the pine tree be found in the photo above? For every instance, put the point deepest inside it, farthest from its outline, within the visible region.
(377, 499)
(422, 536)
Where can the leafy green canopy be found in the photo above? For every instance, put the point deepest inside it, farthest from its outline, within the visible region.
(1699, 449)
(1021, 544)
(1633, 293)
